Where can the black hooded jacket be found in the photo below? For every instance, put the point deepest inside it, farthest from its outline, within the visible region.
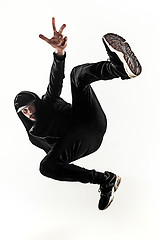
(53, 114)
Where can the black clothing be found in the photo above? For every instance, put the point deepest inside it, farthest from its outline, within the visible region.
(51, 110)
(68, 132)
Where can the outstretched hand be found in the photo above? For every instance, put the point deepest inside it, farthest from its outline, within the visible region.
(58, 41)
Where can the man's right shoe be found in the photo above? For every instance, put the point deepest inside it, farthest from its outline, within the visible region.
(107, 190)
(121, 55)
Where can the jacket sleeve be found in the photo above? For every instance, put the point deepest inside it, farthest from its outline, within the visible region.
(56, 79)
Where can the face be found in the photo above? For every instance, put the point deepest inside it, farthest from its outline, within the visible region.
(30, 111)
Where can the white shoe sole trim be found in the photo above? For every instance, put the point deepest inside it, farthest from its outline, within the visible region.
(117, 182)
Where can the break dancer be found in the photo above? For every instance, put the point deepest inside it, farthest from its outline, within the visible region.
(67, 132)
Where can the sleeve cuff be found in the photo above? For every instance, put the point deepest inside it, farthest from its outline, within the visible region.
(59, 57)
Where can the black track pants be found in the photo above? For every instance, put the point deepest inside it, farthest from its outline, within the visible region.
(85, 133)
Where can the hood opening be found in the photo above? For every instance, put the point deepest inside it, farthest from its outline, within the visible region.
(23, 99)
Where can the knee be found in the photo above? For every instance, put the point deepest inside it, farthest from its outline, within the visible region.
(47, 170)
(103, 125)
(76, 75)
(52, 170)
(43, 168)
(100, 125)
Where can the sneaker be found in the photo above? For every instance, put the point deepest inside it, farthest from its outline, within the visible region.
(120, 53)
(107, 190)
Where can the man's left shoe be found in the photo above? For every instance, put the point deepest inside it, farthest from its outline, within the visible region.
(121, 55)
(107, 189)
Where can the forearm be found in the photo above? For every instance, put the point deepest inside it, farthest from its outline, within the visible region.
(57, 73)
(56, 77)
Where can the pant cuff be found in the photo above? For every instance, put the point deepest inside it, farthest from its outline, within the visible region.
(98, 177)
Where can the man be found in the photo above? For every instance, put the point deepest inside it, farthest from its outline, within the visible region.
(67, 132)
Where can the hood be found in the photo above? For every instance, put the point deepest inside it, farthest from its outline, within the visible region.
(49, 116)
(23, 99)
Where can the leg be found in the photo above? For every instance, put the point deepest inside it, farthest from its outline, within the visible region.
(72, 146)
(86, 106)
(85, 134)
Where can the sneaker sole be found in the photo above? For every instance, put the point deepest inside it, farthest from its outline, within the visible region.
(119, 45)
(114, 189)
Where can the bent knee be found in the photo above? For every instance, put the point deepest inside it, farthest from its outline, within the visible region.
(51, 169)
(43, 169)
(47, 169)
(99, 126)
(76, 75)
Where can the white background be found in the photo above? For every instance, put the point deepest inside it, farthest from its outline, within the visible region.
(36, 208)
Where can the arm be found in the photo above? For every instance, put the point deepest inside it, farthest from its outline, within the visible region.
(59, 42)
(56, 78)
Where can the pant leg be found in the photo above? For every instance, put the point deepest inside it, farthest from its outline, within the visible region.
(85, 134)
(91, 72)
(86, 107)
(77, 142)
